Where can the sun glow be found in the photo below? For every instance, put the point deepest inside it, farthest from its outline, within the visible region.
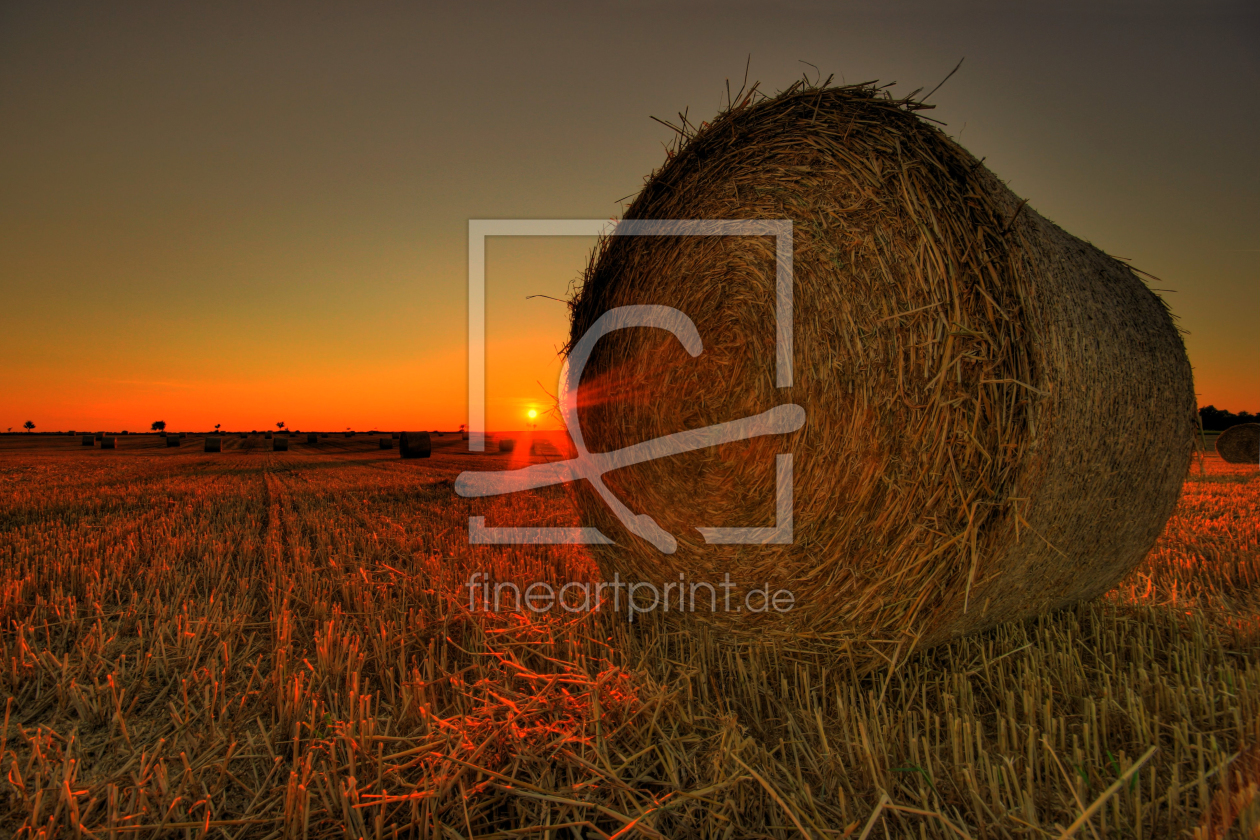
(532, 414)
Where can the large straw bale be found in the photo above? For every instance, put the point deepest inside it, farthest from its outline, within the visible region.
(214, 443)
(172, 440)
(280, 443)
(413, 445)
(312, 438)
(107, 442)
(1240, 444)
(88, 440)
(998, 416)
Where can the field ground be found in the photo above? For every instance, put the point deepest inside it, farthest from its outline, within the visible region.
(261, 644)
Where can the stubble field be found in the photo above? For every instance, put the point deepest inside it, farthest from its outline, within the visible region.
(279, 645)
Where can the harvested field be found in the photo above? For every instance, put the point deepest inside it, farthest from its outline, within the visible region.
(338, 684)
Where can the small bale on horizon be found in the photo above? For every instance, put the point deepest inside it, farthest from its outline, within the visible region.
(107, 443)
(506, 445)
(1240, 444)
(412, 445)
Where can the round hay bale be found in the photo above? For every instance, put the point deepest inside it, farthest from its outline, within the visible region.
(387, 443)
(88, 440)
(324, 436)
(312, 438)
(280, 444)
(413, 445)
(98, 436)
(349, 434)
(172, 440)
(506, 445)
(214, 443)
(267, 436)
(1240, 444)
(998, 417)
(107, 443)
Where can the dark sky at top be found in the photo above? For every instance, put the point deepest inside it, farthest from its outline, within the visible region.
(194, 197)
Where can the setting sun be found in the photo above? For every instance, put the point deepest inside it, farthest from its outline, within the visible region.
(532, 414)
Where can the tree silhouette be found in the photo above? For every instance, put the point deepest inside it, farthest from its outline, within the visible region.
(158, 426)
(216, 427)
(28, 425)
(280, 424)
(1218, 419)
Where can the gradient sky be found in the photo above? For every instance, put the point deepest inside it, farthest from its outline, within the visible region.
(244, 213)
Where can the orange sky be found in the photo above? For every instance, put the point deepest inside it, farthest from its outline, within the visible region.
(240, 214)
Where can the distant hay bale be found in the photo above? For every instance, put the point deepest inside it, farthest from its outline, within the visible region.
(312, 438)
(244, 435)
(107, 443)
(98, 436)
(267, 436)
(88, 440)
(172, 440)
(1240, 444)
(507, 445)
(279, 444)
(214, 443)
(463, 435)
(324, 436)
(998, 417)
(349, 434)
(414, 445)
(387, 443)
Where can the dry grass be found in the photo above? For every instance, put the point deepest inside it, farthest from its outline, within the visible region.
(264, 646)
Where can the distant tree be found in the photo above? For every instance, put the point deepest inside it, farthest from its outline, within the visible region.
(158, 426)
(28, 425)
(1218, 419)
(216, 427)
(280, 425)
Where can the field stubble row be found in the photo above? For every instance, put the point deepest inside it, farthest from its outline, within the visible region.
(279, 645)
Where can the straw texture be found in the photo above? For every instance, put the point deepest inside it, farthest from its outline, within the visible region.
(999, 416)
